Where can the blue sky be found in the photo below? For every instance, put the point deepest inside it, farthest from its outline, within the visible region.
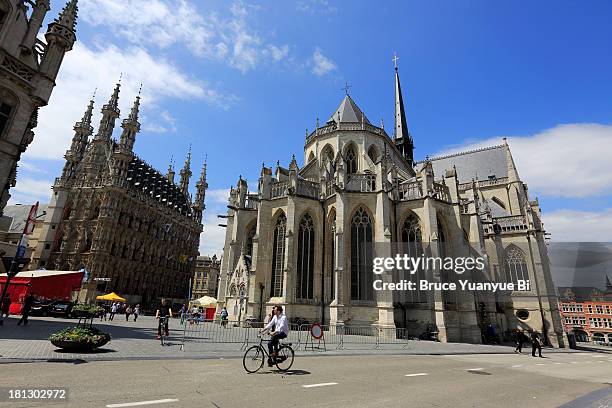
(241, 81)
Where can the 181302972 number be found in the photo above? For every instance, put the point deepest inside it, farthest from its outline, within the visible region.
(21, 394)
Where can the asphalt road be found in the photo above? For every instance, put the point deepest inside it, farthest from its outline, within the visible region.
(327, 381)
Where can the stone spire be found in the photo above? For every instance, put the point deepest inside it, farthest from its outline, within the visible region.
(130, 126)
(39, 10)
(171, 172)
(82, 131)
(402, 137)
(186, 173)
(60, 38)
(201, 187)
(110, 113)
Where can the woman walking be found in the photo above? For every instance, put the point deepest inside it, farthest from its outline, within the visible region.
(128, 312)
(136, 311)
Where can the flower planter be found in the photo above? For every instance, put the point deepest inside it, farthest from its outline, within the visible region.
(79, 339)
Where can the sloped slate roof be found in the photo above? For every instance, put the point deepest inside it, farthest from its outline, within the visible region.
(582, 293)
(143, 177)
(19, 215)
(348, 111)
(478, 164)
(496, 209)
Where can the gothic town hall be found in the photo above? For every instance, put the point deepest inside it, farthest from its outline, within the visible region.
(301, 240)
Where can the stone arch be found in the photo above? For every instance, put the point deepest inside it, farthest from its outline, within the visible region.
(351, 158)
(373, 153)
(8, 106)
(515, 264)
(249, 234)
(278, 254)
(330, 251)
(306, 233)
(311, 157)
(361, 237)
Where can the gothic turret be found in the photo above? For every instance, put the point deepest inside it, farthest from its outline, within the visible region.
(201, 187)
(110, 113)
(186, 173)
(60, 38)
(171, 173)
(39, 10)
(130, 126)
(402, 137)
(82, 131)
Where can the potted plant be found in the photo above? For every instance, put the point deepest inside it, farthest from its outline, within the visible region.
(79, 338)
(86, 311)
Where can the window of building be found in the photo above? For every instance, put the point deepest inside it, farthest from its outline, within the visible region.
(47, 246)
(332, 257)
(599, 309)
(590, 308)
(361, 256)
(516, 266)
(248, 251)
(373, 154)
(351, 161)
(278, 256)
(410, 234)
(5, 115)
(305, 259)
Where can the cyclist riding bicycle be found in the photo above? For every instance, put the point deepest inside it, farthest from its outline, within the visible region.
(163, 311)
(280, 330)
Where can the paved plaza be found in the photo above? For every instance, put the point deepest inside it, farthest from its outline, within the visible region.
(136, 340)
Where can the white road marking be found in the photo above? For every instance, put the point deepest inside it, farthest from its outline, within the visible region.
(540, 364)
(415, 375)
(573, 362)
(559, 363)
(140, 403)
(319, 385)
(517, 365)
(475, 369)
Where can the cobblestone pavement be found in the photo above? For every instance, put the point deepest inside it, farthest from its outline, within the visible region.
(136, 340)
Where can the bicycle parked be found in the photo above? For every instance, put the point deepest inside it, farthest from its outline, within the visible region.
(255, 356)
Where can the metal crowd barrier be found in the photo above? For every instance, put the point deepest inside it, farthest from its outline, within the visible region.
(339, 337)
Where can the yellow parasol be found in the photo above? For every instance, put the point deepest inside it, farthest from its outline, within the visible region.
(113, 297)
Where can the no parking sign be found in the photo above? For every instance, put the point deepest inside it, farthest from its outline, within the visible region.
(316, 331)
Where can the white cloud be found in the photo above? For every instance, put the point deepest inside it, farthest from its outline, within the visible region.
(315, 6)
(575, 226)
(321, 65)
(164, 23)
(87, 67)
(566, 161)
(28, 191)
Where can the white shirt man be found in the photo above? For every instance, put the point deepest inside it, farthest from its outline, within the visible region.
(281, 330)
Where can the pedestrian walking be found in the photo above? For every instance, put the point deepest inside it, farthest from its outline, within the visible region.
(136, 311)
(113, 311)
(103, 313)
(520, 339)
(128, 312)
(4, 310)
(25, 311)
(224, 315)
(536, 343)
(183, 313)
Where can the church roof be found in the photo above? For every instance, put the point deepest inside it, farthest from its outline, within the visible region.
(348, 111)
(478, 164)
(582, 293)
(19, 215)
(143, 177)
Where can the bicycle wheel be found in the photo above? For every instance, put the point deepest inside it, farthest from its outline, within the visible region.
(284, 359)
(253, 359)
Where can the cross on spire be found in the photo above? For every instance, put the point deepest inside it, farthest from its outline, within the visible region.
(346, 88)
(395, 59)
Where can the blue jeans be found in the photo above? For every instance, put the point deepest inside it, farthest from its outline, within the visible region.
(273, 343)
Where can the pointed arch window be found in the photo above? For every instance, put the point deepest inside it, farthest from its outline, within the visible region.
(248, 250)
(516, 266)
(351, 161)
(278, 256)
(361, 256)
(373, 153)
(412, 245)
(305, 258)
(331, 266)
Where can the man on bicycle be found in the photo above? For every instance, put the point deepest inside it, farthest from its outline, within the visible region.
(280, 328)
(163, 312)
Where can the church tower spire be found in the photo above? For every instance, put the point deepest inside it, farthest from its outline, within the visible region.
(402, 137)
(171, 173)
(186, 173)
(82, 131)
(130, 126)
(110, 113)
(60, 38)
(201, 187)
